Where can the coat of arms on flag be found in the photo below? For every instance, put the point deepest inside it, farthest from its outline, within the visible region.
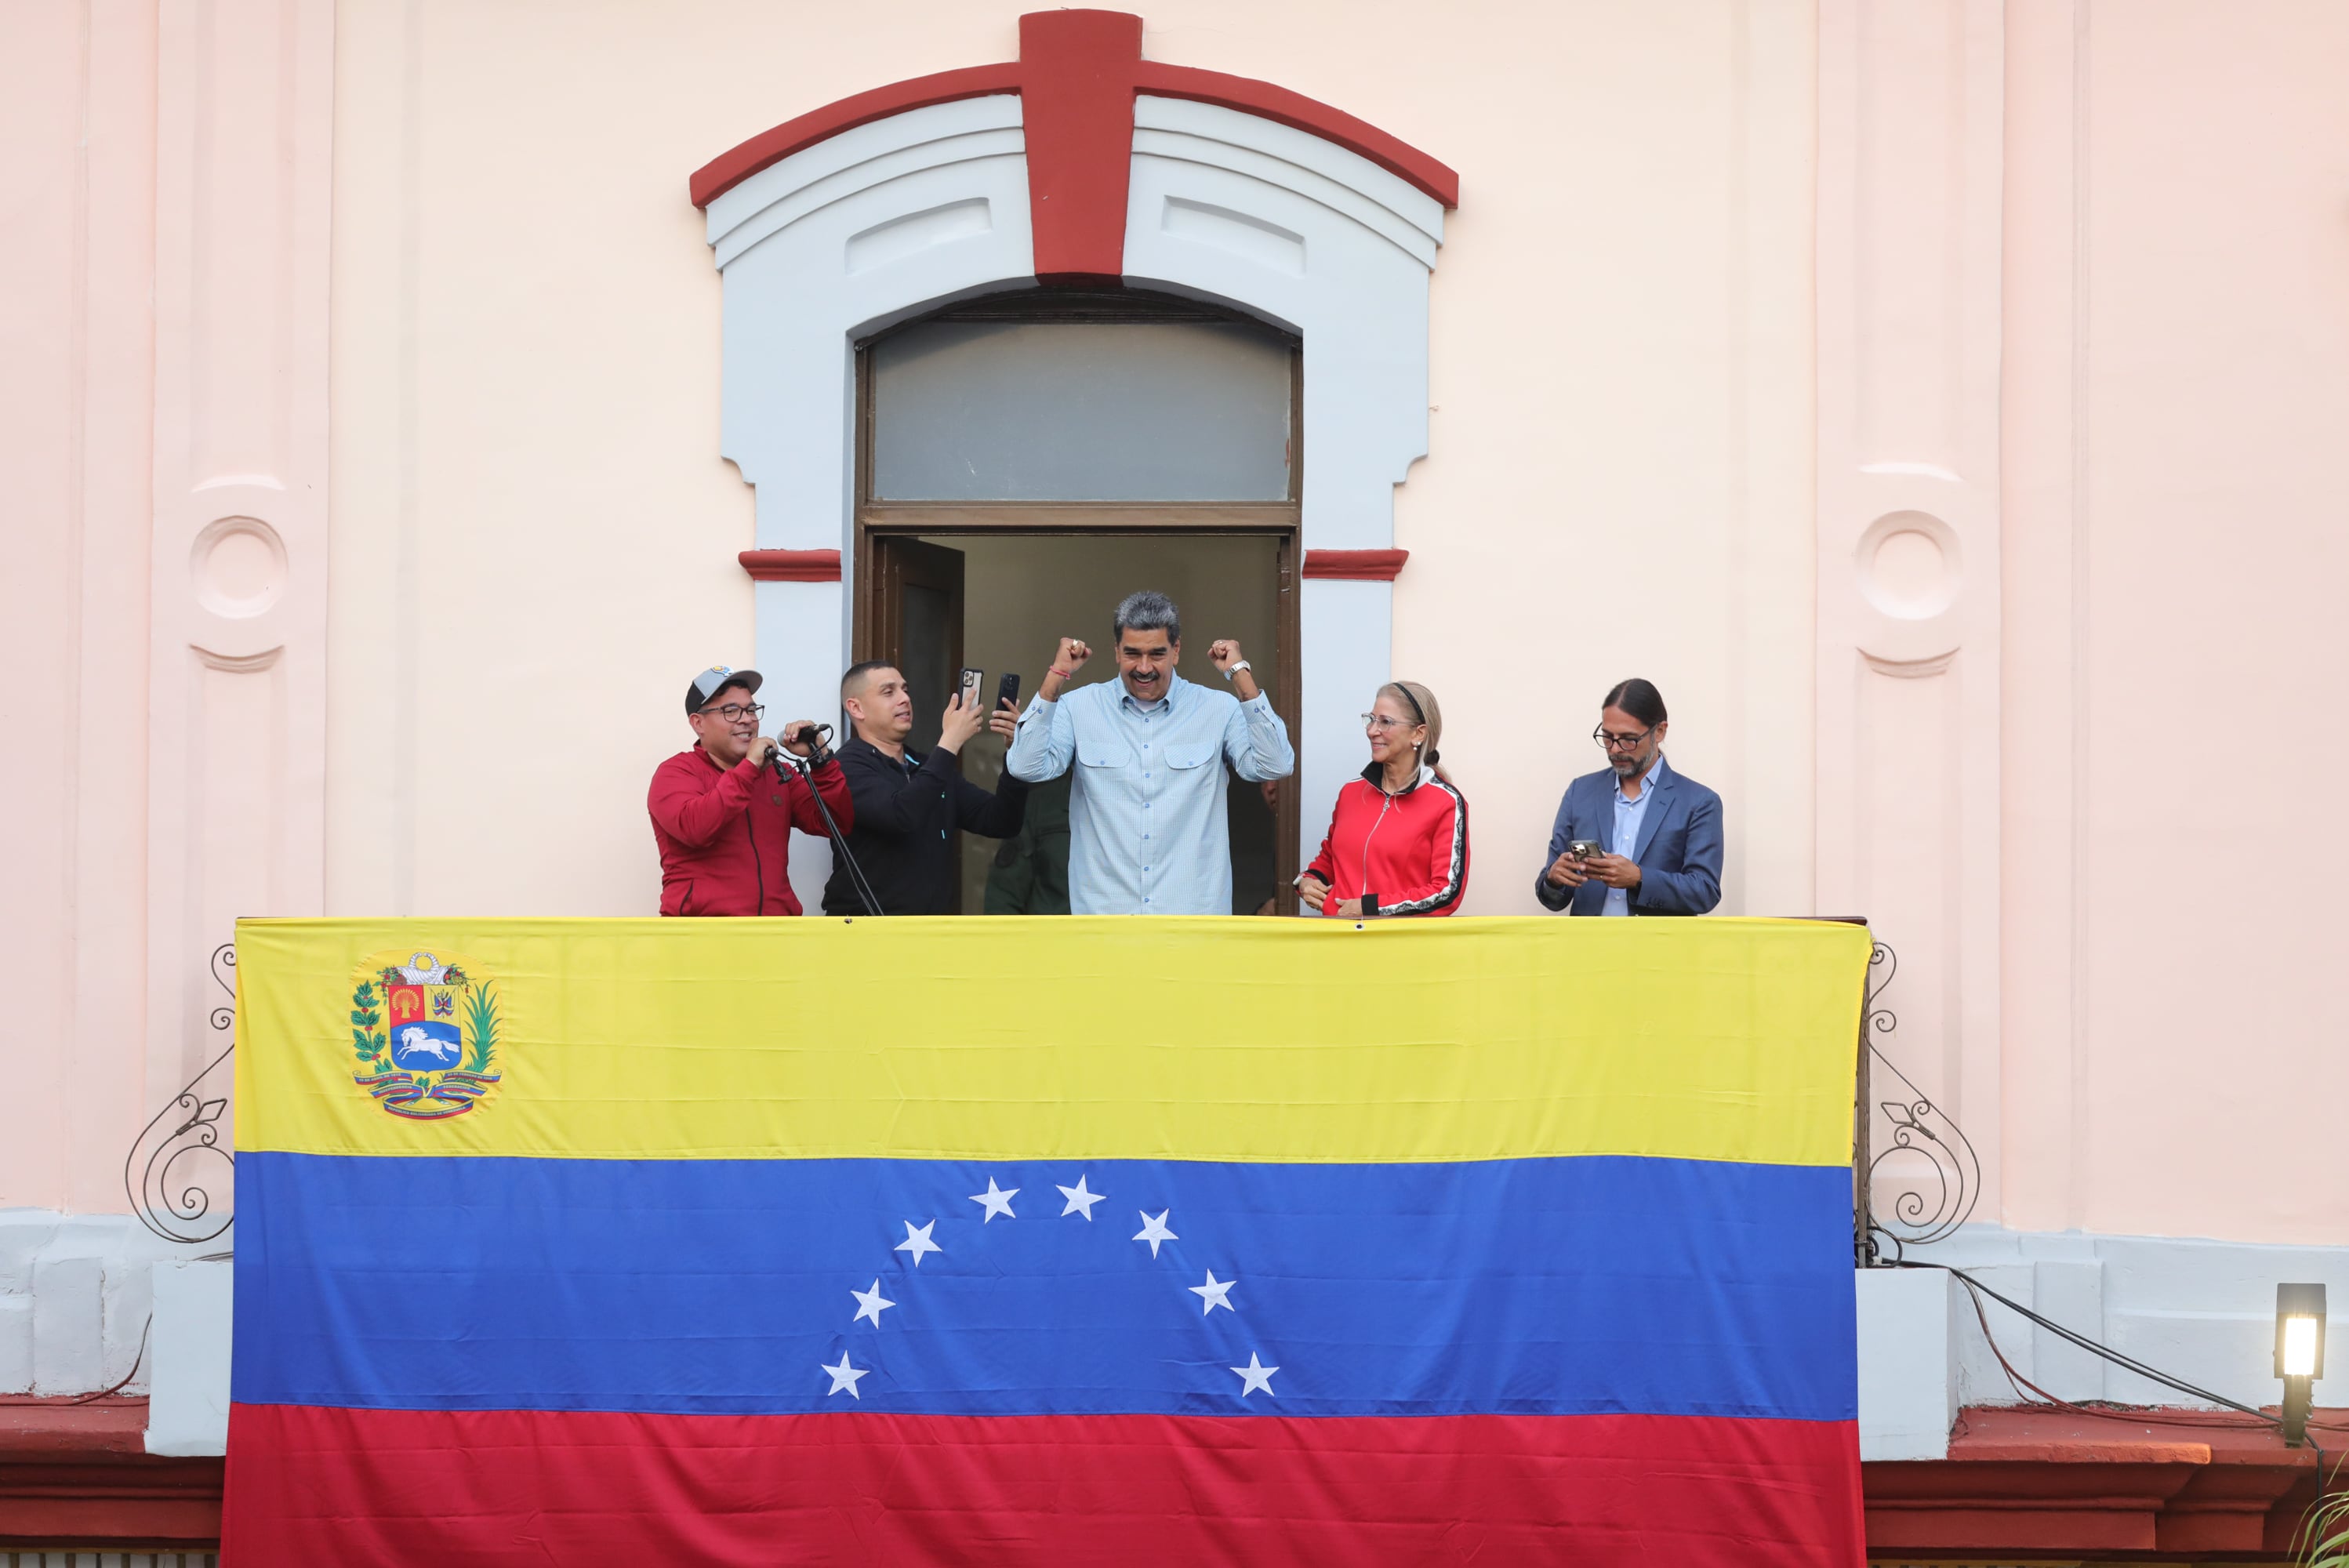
(425, 1031)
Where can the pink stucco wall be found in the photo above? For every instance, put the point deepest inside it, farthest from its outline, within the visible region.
(2176, 381)
(415, 288)
(77, 408)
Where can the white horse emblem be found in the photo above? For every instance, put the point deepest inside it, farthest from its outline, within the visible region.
(418, 1042)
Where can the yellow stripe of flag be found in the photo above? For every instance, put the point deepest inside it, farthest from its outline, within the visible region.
(1241, 1039)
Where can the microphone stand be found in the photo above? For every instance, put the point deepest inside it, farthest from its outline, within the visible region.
(806, 768)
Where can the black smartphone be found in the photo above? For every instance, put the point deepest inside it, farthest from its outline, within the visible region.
(971, 680)
(1583, 848)
(1008, 690)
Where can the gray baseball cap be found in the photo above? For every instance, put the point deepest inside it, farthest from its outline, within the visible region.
(715, 679)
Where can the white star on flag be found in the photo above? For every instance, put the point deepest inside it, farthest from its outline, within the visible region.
(1254, 1376)
(917, 1243)
(869, 1303)
(1079, 1201)
(1215, 1293)
(844, 1377)
(1155, 1230)
(998, 1201)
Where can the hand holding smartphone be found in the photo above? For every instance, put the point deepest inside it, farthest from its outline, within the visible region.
(1005, 720)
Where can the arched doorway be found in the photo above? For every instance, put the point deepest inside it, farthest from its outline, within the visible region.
(1082, 169)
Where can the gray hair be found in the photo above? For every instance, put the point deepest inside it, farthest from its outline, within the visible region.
(1148, 610)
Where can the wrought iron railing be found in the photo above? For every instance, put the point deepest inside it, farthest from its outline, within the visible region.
(178, 1161)
(1915, 1175)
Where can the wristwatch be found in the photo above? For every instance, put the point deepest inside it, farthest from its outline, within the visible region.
(1237, 668)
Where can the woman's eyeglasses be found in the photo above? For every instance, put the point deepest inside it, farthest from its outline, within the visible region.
(1386, 721)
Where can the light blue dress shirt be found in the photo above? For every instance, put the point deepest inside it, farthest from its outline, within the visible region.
(1628, 815)
(1147, 830)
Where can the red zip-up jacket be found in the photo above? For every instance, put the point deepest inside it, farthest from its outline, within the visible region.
(725, 833)
(1405, 853)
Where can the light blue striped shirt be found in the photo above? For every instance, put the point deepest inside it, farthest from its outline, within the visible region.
(1628, 815)
(1147, 833)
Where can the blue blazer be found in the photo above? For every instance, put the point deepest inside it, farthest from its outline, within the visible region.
(1678, 854)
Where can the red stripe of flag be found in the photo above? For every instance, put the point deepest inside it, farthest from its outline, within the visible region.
(309, 1485)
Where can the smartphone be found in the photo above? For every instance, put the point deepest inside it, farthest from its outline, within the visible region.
(1583, 848)
(1008, 690)
(971, 680)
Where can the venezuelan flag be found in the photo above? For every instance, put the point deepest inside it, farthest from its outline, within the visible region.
(1045, 1243)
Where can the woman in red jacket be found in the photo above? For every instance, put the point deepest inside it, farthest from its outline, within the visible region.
(1398, 842)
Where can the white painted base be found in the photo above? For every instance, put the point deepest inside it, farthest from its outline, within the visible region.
(187, 1411)
(1908, 1363)
(2203, 1311)
(73, 1300)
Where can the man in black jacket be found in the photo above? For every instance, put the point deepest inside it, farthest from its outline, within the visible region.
(907, 805)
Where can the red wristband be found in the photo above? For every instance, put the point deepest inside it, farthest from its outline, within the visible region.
(1064, 675)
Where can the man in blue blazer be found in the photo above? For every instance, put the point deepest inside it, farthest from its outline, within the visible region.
(1658, 833)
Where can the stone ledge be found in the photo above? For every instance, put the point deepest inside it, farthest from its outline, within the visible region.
(80, 1472)
(2052, 1484)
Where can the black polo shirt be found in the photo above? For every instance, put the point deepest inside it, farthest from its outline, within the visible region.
(907, 812)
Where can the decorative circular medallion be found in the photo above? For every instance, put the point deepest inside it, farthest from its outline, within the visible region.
(239, 567)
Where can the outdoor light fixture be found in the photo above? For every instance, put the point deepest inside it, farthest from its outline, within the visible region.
(2299, 1352)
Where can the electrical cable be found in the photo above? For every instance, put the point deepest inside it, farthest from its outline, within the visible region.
(135, 1360)
(1976, 1289)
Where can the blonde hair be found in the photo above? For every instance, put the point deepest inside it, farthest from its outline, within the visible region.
(1422, 701)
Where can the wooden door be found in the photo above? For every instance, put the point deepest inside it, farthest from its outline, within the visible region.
(918, 624)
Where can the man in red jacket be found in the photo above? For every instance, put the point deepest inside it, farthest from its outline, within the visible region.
(721, 813)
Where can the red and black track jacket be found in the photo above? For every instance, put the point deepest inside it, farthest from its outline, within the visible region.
(1405, 853)
(725, 833)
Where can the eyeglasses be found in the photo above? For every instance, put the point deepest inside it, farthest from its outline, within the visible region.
(1386, 721)
(1620, 742)
(733, 711)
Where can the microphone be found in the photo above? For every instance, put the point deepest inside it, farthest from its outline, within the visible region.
(817, 735)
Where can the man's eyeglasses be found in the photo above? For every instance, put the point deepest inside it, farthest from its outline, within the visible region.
(733, 711)
(1385, 721)
(1620, 742)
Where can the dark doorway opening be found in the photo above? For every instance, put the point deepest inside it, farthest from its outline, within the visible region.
(1000, 601)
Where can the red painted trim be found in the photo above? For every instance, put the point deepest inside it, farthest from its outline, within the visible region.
(1355, 565)
(2041, 1483)
(735, 165)
(81, 1473)
(1296, 111)
(1078, 72)
(792, 565)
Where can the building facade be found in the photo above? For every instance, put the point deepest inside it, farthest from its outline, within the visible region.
(1937, 402)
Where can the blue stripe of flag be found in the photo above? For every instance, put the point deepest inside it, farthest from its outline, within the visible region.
(1521, 1287)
